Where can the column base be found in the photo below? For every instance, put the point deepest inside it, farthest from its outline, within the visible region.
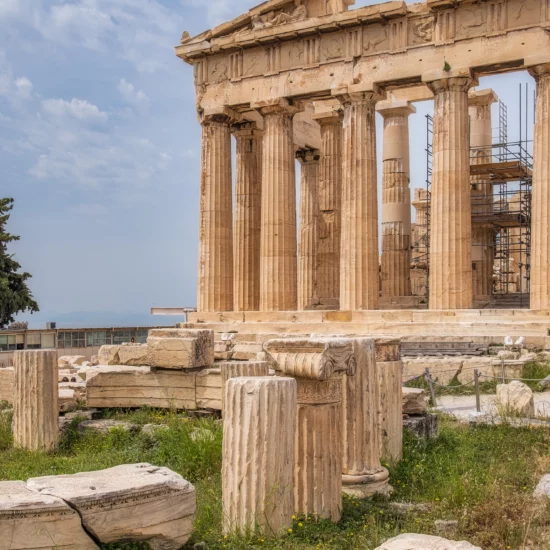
(365, 485)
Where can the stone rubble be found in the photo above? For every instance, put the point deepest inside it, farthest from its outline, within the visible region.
(413, 541)
(515, 399)
(415, 401)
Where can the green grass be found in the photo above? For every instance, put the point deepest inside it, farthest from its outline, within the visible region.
(482, 476)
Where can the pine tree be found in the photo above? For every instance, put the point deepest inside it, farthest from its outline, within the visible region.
(15, 296)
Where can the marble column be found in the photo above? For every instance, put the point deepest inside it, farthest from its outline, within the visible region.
(241, 369)
(419, 232)
(540, 212)
(215, 284)
(278, 270)
(359, 279)
(330, 204)
(259, 431)
(481, 139)
(450, 278)
(247, 217)
(396, 199)
(362, 472)
(308, 231)
(35, 408)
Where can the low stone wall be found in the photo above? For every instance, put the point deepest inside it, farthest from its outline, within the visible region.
(7, 382)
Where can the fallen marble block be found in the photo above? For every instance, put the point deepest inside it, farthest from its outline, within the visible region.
(133, 355)
(34, 521)
(209, 389)
(424, 426)
(413, 541)
(105, 426)
(66, 400)
(132, 502)
(122, 386)
(7, 384)
(543, 487)
(180, 348)
(414, 401)
(515, 399)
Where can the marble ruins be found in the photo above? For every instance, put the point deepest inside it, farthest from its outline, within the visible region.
(302, 80)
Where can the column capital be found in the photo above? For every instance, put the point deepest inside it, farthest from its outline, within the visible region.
(246, 129)
(308, 155)
(481, 98)
(391, 108)
(367, 93)
(459, 80)
(328, 115)
(276, 106)
(219, 115)
(537, 71)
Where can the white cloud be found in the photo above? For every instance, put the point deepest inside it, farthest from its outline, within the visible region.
(79, 109)
(131, 94)
(24, 87)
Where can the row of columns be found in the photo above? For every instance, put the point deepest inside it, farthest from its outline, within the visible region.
(334, 261)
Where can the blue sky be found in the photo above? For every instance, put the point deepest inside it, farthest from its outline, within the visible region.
(100, 147)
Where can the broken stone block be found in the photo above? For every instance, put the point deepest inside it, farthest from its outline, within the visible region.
(133, 355)
(543, 487)
(209, 389)
(121, 386)
(105, 426)
(414, 401)
(239, 369)
(70, 360)
(31, 521)
(7, 381)
(515, 398)
(414, 541)
(424, 426)
(180, 348)
(131, 502)
(66, 400)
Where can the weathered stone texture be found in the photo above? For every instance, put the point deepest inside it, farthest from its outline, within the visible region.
(180, 348)
(209, 389)
(132, 502)
(7, 384)
(258, 455)
(415, 401)
(413, 541)
(35, 424)
(515, 398)
(31, 521)
(136, 355)
(239, 369)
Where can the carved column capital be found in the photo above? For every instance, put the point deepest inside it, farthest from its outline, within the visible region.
(453, 80)
(481, 98)
(538, 71)
(278, 105)
(333, 117)
(223, 115)
(246, 129)
(391, 108)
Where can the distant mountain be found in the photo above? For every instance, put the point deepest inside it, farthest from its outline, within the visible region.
(85, 319)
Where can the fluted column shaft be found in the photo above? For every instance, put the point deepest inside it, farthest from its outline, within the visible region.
(540, 213)
(361, 466)
(309, 223)
(451, 224)
(258, 455)
(330, 204)
(215, 284)
(481, 140)
(396, 199)
(35, 408)
(247, 217)
(359, 279)
(278, 271)
(318, 463)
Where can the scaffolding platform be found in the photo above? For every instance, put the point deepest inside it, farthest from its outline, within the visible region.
(512, 170)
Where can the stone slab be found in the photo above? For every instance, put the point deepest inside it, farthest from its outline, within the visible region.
(138, 386)
(203, 355)
(136, 355)
(34, 521)
(414, 400)
(209, 389)
(414, 541)
(132, 502)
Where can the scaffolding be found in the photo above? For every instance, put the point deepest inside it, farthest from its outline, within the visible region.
(501, 184)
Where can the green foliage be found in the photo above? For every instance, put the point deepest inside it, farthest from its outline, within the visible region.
(482, 476)
(15, 296)
(446, 67)
(533, 371)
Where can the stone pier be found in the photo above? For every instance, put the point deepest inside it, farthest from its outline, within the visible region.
(330, 204)
(450, 218)
(278, 271)
(540, 215)
(481, 139)
(248, 186)
(258, 455)
(308, 232)
(215, 283)
(359, 280)
(363, 473)
(396, 199)
(318, 365)
(35, 409)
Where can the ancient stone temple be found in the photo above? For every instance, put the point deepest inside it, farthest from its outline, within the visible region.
(303, 79)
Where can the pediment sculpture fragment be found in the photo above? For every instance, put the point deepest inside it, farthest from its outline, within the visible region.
(274, 18)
